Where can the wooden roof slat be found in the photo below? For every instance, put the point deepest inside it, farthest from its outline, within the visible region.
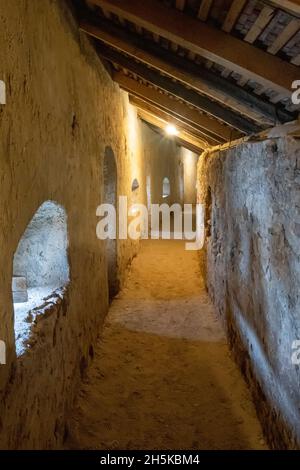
(296, 60)
(174, 47)
(207, 41)
(289, 31)
(276, 98)
(180, 4)
(106, 13)
(139, 29)
(260, 90)
(259, 25)
(204, 9)
(233, 14)
(226, 73)
(243, 81)
(191, 55)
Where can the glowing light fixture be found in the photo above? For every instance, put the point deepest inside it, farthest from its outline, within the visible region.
(171, 130)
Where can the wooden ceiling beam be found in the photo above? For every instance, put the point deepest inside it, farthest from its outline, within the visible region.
(183, 136)
(198, 77)
(207, 41)
(179, 90)
(160, 130)
(164, 101)
(159, 127)
(179, 122)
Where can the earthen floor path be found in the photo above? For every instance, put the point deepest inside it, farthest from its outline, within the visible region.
(162, 376)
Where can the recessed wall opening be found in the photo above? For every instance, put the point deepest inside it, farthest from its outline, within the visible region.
(110, 197)
(166, 188)
(40, 266)
(135, 185)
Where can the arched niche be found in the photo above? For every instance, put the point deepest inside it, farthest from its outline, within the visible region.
(40, 265)
(135, 185)
(166, 189)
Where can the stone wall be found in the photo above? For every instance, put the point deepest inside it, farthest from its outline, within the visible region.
(252, 197)
(62, 111)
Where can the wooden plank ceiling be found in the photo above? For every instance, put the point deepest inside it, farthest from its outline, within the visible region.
(217, 69)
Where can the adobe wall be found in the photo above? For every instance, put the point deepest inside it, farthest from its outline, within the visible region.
(62, 111)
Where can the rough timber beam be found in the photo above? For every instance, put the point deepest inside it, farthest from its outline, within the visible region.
(182, 136)
(207, 41)
(180, 123)
(164, 101)
(179, 90)
(195, 76)
(160, 127)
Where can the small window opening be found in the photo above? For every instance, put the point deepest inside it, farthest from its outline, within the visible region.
(166, 188)
(135, 185)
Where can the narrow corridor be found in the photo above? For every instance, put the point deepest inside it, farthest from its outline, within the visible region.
(162, 376)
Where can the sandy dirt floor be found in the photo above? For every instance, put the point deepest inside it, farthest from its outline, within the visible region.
(163, 377)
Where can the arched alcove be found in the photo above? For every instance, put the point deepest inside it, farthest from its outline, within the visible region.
(166, 188)
(40, 265)
(110, 197)
(135, 185)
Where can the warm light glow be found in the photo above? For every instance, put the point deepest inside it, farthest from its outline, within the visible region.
(171, 130)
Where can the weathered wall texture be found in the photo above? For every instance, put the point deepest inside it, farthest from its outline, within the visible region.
(253, 269)
(62, 111)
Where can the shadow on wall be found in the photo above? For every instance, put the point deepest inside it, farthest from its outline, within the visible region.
(110, 177)
(40, 267)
